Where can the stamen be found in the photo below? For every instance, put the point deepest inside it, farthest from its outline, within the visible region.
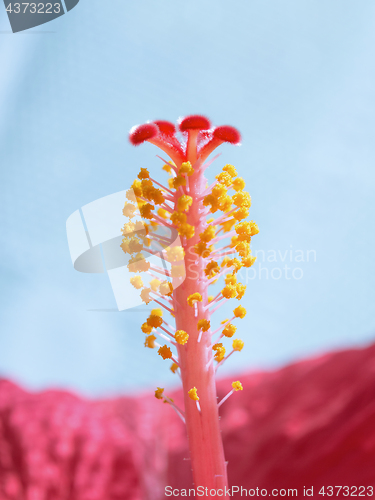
(208, 163)
(169, 326)
(219, 255)
(163, 187)
(179, 412)
(223, 360)
(218, 307)
(165, 337)
(159, 270)
(167, 332)
(222, 217)
(165, 307)
(161, 221)
(225, 397)
(226, 235)
(173, 167)
(223, 325)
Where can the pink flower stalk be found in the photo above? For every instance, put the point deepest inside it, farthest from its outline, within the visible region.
(196, 261)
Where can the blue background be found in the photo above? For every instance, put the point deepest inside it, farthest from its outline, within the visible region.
(296, 78)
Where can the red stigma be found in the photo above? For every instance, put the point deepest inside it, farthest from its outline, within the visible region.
(143, 133)
(165, 127)
(197, 122)
(227, 133)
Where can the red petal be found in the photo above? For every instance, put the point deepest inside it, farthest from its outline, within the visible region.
(227, 133)
(143, 133)
(197, 122)
(165, 127)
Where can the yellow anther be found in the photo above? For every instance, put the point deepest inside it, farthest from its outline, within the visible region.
(225, 262)
(167, 168)
(230, 279)
(246, 229)
(146, 328)
(238, 184)
(131, 245)
(181, 337)
(208, 234)
(145, 295)
(211, 200)
(230, 169)
(194, 298)
(233, 241)
(224, 178)
(210, 298)
(140, 226)
(164, 214)
(150, 341)
(201, 249)
(137, 187)
(159, 393)
(135, 245)
(186, 230)
(165, 352)
(193, 394)
(225, 203)
(186, 168)
(228, 225)
(170, 182)
(143, 174)
(154, 321)
(157, 197)
(229, 292)
(154, 284)
(175, 254)
(184, 202)
(212, 269)
(238, 344)
(243, 249)
(204, 325)
(178, 271)
(131, 196)
(237, 386)
(157, 312)
(219, 190)
(229, 330)
(137, 282)
(178, 218)
(179, 181)
(174, 367)
(224, 321)
(166, 288)
(248, 261)
(236, 263)
(128, 228)
(241, 213)
(129, 210)
(146, 210)
(242, 199)
(220, 351)
(138, 264)
(241, 289)
(239, 312)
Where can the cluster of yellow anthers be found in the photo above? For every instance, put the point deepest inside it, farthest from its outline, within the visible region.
(165, 216)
